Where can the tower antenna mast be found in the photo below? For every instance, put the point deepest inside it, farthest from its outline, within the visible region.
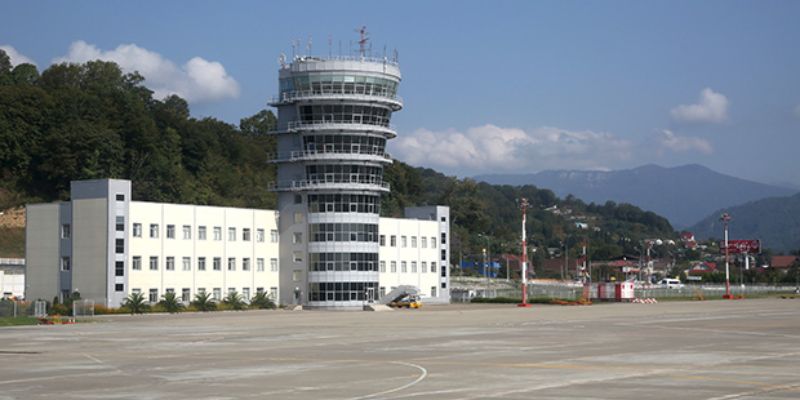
(362, 41)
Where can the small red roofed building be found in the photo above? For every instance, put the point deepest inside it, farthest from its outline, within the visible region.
(782, 263)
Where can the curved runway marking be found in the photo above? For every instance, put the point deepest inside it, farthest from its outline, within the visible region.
(399, 388)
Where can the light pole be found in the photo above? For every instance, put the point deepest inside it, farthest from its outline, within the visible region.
(486, 272)
(523, 204)
(726, 219)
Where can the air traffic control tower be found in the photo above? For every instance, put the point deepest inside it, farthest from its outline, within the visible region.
(333, 123)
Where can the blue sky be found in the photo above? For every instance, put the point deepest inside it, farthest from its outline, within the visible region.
(489, 86)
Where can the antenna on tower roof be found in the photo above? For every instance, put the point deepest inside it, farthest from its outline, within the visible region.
(330, 46)
(362, 40)
(308, 45)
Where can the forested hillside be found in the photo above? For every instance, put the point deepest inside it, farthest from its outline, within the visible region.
(93, 121)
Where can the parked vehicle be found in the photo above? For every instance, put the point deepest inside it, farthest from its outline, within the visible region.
(671, 283)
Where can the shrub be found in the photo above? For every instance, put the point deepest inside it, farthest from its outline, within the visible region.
(59, 309)
(170, 303)
(234, 301)
(204, 302)
(100, 309)
(135, 303)
(262, 301)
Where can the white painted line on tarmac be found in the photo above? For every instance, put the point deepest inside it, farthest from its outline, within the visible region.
(399, 388)
(780, 388)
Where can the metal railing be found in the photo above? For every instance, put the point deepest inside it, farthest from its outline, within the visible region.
(366, 184)
(379, 60)
(299, 95)
(300, 155)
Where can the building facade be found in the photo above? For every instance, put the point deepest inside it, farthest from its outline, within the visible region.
(106, 247)
(333, 123)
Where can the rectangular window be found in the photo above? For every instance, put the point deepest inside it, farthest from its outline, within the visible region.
(296, 275)
(246, 234)
(413, 267)
(153, 263)
(443, 269)
(137, 263)
(444, 254)
(273, 264)
(433, 291)
(66, 231)
(153, 298)
(246, 294)
(137, 230)
(231, 290)
(297, 237)
(119, 246)
(383, 240)
(201, 290)
(217, 264)
(169, 290)
(232, 264)
(231, 234)
(186, 295)
(259, 290)
(170, 231)
(186, 262)
(443, 219)
(403, 267)
(413, 242)
(433, 242)
(201, 232)
(259, 264)
(273, 236)
(136, 291)
(297, 256)
(403, 241)
(170, 264)
(187, 232)
(444, 238)
(66, 264)
(201, 263)
(444, 285)
(382, 266)
(154, 231)
(216, 294)
(120, 223)
(273, 293)
(119, 268)
(393, 241)
(393, 266)
(433, 266)
(424, 266)
(120, 197)
(217, 233)
(245, 264)
(119, 287)
(423, 242)
(259, 235)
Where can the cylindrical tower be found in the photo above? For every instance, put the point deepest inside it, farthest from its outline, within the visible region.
(333, 123)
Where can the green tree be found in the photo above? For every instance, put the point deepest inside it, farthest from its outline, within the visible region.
(262, 301)
(204, 302)
(135, 303)
(171, 303)
(234, 301)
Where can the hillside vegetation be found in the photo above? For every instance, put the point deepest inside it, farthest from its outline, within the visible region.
(87, 121)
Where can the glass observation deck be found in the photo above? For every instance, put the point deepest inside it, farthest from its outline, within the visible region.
(331, 182)
(393, 101)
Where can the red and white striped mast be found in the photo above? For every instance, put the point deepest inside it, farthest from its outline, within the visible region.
(523, 204)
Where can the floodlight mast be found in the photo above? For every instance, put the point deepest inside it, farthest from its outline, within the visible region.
(523, 204)
(726, 219)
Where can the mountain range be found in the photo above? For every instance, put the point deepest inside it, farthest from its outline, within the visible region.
(775, 221)
(684, 194)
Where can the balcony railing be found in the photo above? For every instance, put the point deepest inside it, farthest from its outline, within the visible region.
(297, 126)
(396, 102)
(302, 155)
(333, 181)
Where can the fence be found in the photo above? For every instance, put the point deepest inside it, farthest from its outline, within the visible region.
(559, 290)
(83, 308)
(13, 308)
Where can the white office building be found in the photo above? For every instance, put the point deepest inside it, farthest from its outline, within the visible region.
(105, 246)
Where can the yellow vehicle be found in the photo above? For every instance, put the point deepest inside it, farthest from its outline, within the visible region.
(410, 301)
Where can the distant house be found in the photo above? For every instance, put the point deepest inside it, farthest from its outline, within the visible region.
(581, 225)
(782, 263)
(701, 268)
(687, 238)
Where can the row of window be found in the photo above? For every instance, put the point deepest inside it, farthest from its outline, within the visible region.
(355, 203)
(344, 143)
(339, 84)
(404, 242)
(343, 261)
(186, 293)
(404, 267)
(343, 291)
(202, 265)
(352, 232)
(345, 114)
(202, 233)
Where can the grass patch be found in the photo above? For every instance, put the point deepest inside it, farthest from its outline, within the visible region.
(15, 321)
(12, 242)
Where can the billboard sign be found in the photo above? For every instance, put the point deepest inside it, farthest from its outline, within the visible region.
(748, 246)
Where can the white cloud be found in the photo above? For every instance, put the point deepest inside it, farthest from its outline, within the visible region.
(196, 81)
(669, 140)
(16, 57)
(490, 148)
(711, 107)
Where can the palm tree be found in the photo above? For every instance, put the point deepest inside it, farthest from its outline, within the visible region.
(234, 301)
(204, 302)
(135, 303)
(262, 301)
(170, 303)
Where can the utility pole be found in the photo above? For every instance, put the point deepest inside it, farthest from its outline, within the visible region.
(726, 219)
(523, 260)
